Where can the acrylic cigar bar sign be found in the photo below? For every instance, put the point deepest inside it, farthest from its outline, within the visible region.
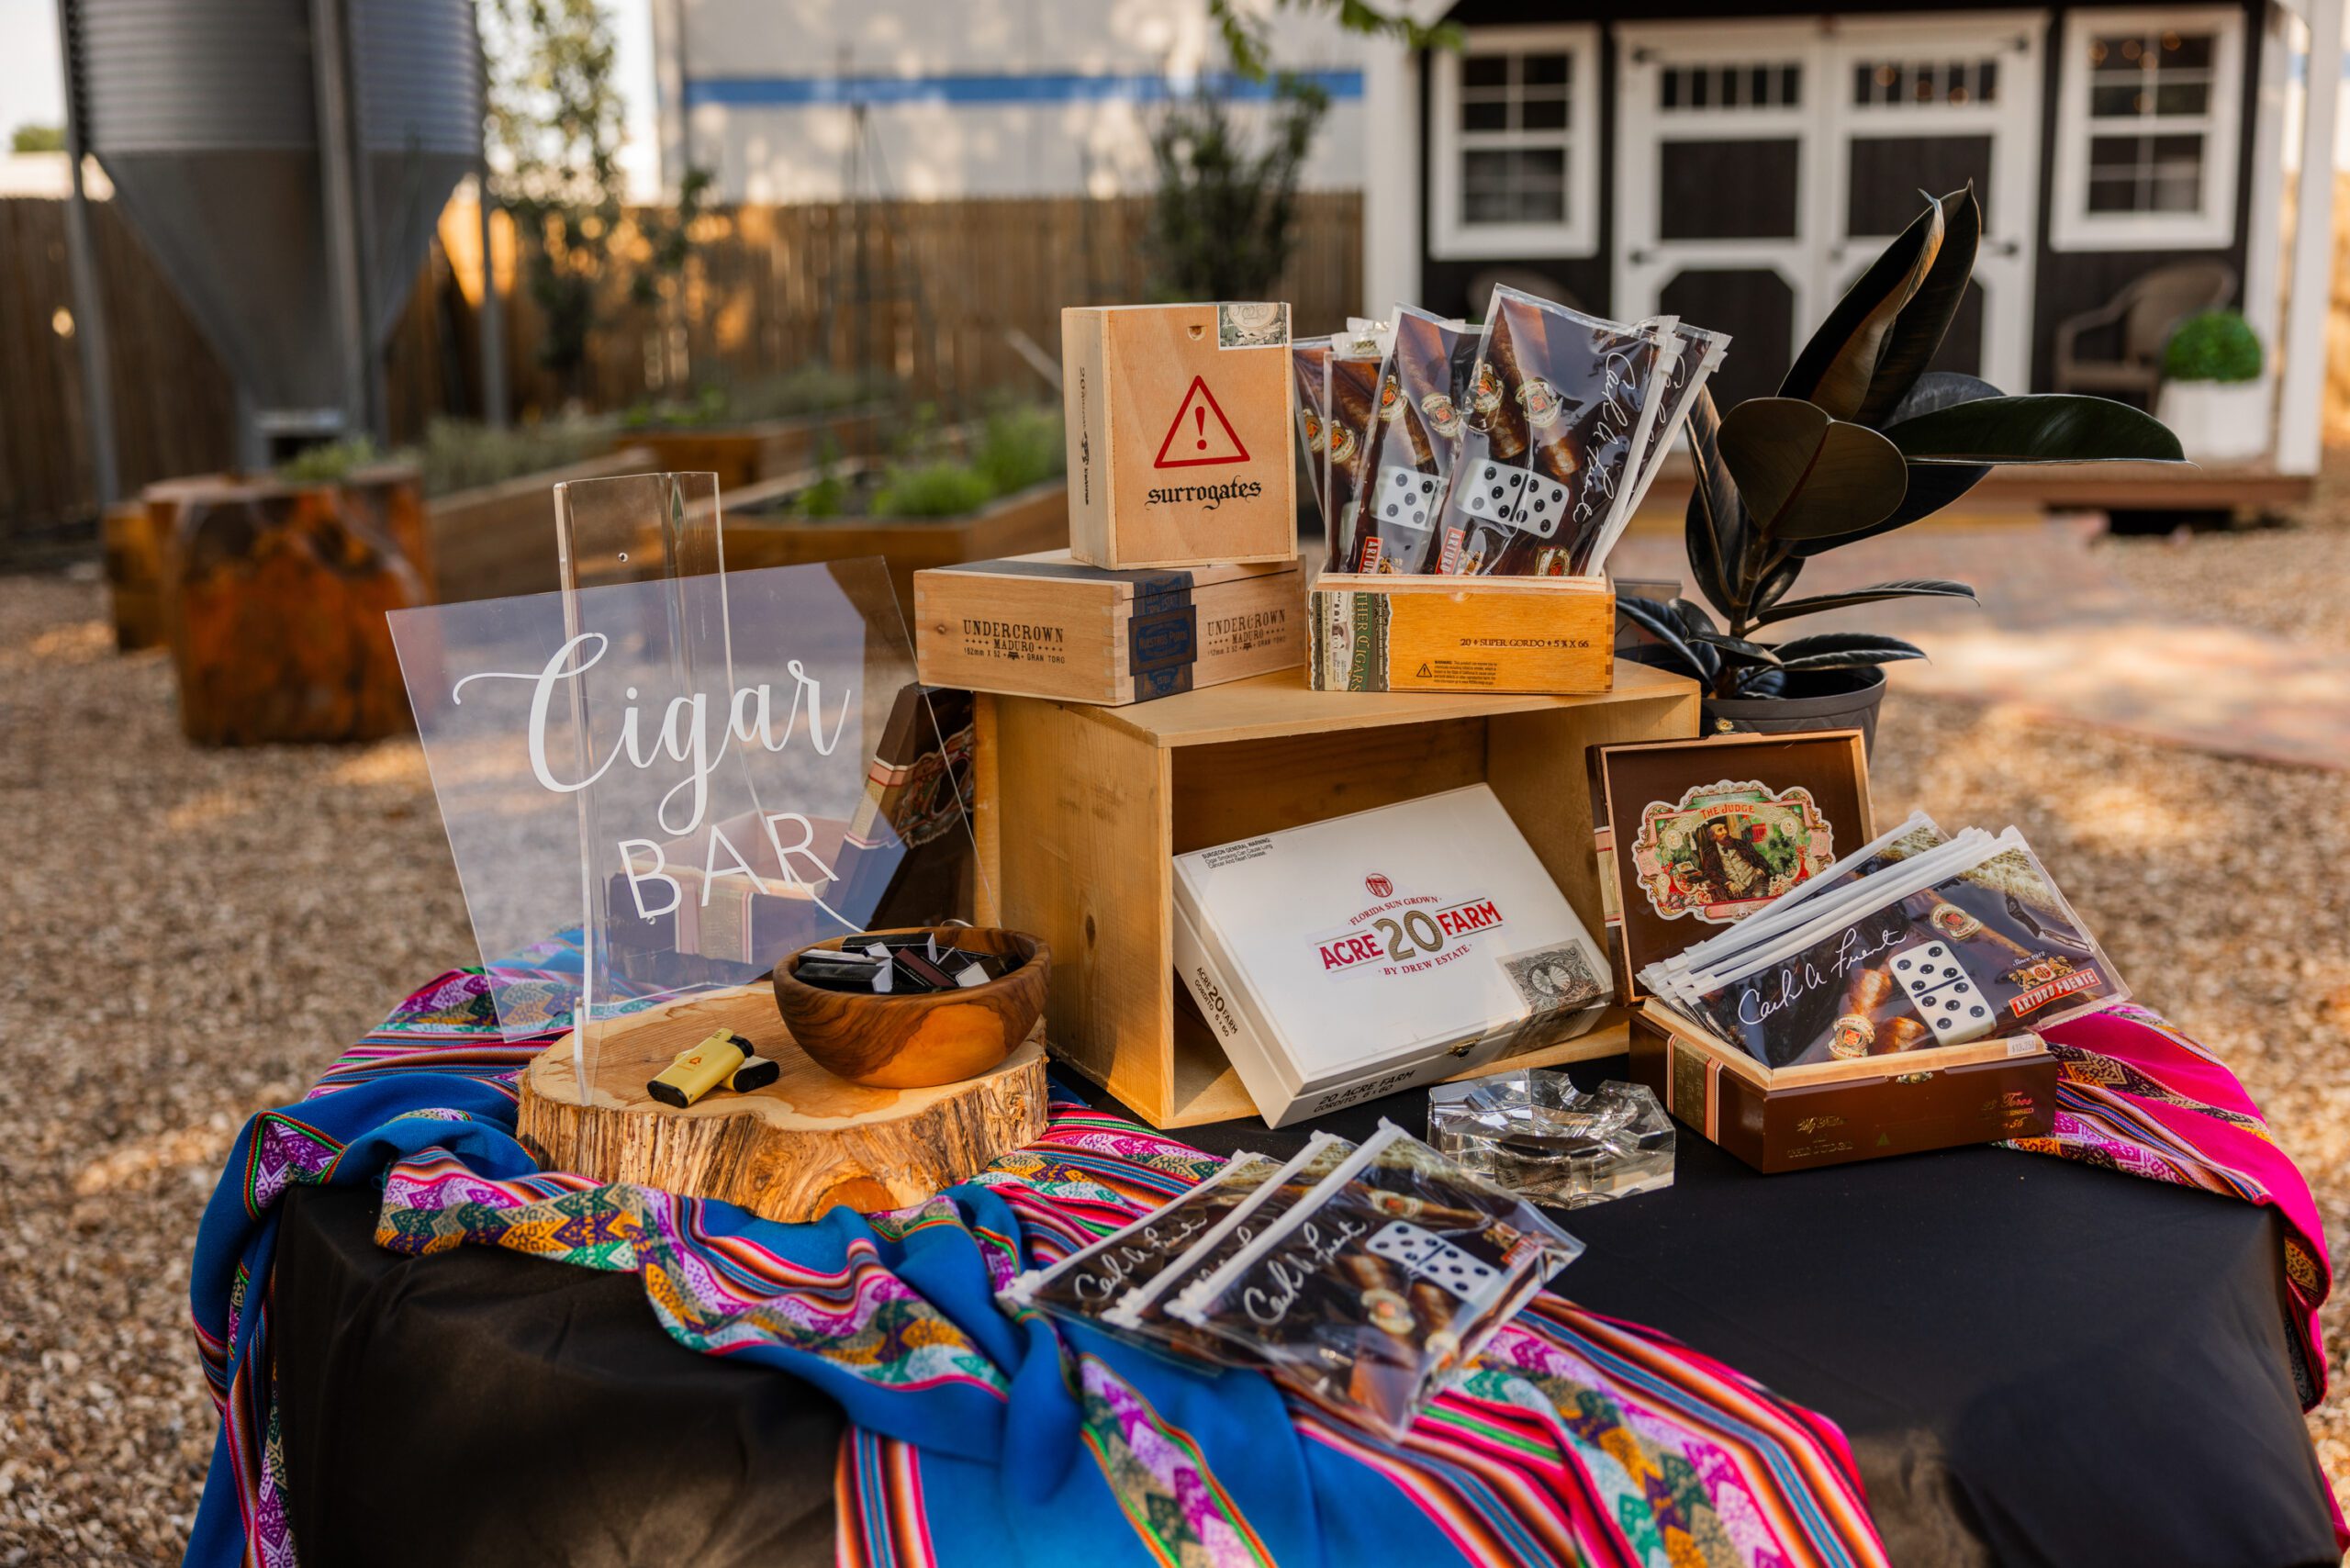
(697, 775)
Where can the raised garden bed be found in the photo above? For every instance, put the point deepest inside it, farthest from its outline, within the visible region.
(745, 454)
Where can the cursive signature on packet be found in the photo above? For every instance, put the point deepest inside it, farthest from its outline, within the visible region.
(1091, 1279)
(1391, 1273)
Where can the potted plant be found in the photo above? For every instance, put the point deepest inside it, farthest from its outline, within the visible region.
(1861, 439)
(2212, 392)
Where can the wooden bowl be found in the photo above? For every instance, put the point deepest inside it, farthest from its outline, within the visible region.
(918, 1039)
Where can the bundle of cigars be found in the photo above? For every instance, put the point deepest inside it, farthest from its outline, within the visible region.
(1520, 448)
(1359, 1276)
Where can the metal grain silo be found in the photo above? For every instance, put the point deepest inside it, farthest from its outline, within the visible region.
(285, 161)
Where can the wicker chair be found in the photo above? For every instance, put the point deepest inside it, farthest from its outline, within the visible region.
(2148, 308)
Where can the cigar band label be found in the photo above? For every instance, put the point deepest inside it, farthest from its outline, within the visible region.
(1486, 391)
(1540, 401)
(1342, 443)
(1251, 326)
(1313, 423)
(1443, 418)
(1390, 398)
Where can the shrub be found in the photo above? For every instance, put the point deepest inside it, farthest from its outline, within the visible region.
(464, 454)
(943, 489)
(329, 463)
(1019, 447)
(2218, 346)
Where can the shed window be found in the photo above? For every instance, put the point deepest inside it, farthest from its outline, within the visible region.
(2149, 126)
(1513, 145)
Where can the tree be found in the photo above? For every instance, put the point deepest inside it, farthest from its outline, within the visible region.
(1244, 29)
(1220, 225)
(38, 138)
(556, 125)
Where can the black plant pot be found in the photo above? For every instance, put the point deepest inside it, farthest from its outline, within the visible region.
(1814, 699)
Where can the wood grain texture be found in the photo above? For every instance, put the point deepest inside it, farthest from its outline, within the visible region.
(746, 453)
(915, 1039)
(788, 1152)
(1126, 371)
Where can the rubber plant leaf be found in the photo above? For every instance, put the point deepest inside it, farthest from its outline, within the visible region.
(1737, 650)
(1917, 332)
(1805, 476)
(1904, 587)
(1835, 368)
(2044, 428)
(1843, 650)
(1932, 486)
(1658, 622)
(1716, 525)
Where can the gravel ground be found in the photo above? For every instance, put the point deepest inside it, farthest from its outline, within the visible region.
(208, 928)
(2286, 581)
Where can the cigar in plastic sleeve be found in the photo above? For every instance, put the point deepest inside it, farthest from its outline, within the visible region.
(700, 1069)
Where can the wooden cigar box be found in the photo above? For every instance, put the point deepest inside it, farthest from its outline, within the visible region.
(1180, 428)
(1377, 632)
(1046, 625)
(1834, 1112)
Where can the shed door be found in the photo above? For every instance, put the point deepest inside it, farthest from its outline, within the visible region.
(1762, 167)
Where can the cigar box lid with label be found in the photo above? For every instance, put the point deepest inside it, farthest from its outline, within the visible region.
(1694, 836)
(1048, 625)
(1369, 953)
(1181, 433)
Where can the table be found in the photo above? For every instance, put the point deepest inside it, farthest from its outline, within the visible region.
(2035, 1362)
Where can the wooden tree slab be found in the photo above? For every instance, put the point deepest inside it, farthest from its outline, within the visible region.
(790, 1151)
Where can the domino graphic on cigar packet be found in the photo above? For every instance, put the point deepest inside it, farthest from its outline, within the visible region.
(1943, 995)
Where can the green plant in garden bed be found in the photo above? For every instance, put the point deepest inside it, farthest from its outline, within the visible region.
(2217, 345)
(810, 389)
(1861, 439)
(466, 455)
(332, 462)
(1014, 449)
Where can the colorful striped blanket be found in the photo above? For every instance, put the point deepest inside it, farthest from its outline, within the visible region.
(980, 1437)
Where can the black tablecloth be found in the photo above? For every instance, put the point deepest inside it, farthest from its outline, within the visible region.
(2035, 1362)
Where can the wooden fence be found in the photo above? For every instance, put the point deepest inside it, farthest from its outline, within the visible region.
(937, 294)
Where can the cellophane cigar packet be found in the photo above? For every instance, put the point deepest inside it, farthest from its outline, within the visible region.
(1391, 1273)
(1309, 364)
(1986, 949)
(1090, 1281)
(1687, 361)
(1356, 356)
(1913, 836)
(1142, 1312)
(1407, 457)
(1556, 404)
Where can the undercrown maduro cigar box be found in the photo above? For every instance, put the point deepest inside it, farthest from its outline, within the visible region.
(1834, 1112)
(1046, 625)
(1179, 435)
(1379, 631)
(1356, 957)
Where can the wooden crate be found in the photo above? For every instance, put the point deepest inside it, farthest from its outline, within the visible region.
(746, 454)
(1390, 633)
(1179, 445)
(498, 540)
(1081, 810)
(1034, 519)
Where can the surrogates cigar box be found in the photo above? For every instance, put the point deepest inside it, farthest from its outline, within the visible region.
(1367, 954)
(1793, 1118)
(1179, 426)
(1046, 625)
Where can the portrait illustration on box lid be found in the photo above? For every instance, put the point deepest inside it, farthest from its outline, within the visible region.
(1725, 849)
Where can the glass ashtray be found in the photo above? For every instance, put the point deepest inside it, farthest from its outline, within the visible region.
(1534, 1132)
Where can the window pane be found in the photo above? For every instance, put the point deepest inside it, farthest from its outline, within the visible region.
(1986, 80)
(1668, 89)
(1700, 89)
(1543, 69)
(1484, 71)
(2187, 51)
(1864, 84)
(2179, 194)
(2182, 97)
(2117, 102)
(1790, 85)
(1543, 114)
(2117, 155)
(2112, 54)
(1480, 114)
(2113, 194)
(1524, 184)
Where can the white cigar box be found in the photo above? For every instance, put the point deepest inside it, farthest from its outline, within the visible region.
(1363, 954)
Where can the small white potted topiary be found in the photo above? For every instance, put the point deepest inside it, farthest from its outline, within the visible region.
(2214, 393)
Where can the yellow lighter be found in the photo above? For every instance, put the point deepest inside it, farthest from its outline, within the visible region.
(698, 1071)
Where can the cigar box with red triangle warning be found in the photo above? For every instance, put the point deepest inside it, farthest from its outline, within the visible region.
(1179, 427)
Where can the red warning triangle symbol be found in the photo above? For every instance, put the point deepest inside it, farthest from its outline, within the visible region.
(1200, 435)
